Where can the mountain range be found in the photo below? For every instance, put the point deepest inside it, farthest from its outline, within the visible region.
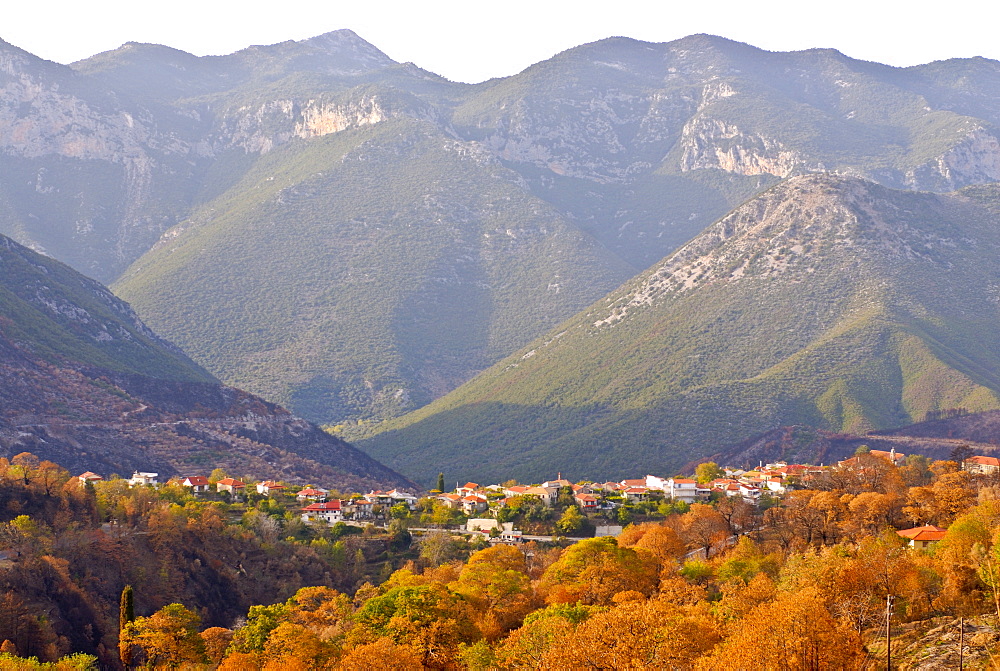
(354, 237)
(85, 384)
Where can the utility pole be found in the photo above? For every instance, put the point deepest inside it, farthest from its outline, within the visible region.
(888, 632)
(961, 643)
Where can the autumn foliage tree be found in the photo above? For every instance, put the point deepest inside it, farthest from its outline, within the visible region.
(594, 570)
(168, 636)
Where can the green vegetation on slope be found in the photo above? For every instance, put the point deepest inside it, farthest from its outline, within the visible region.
(60, 316)
(825, 301)
(343, 281)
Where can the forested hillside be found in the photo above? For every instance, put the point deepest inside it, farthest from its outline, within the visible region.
(208, 583)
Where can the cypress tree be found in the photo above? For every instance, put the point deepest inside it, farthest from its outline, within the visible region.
(126, 607)
(126, 614)
(440, 482)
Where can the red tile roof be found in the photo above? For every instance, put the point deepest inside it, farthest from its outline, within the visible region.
(928, 532)
(325, 506)
(982, 461)
(196, 481)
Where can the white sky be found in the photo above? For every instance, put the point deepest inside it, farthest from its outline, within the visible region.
(470, 40)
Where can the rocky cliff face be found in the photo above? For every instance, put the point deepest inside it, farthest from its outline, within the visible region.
(974, 159)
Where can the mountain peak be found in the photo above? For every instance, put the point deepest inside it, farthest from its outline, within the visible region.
(346, 43)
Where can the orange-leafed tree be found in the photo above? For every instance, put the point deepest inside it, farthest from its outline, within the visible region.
(168, 636)
(636, 635)
(495, 583)
(703, 527)
(795, 631)
(594, 570)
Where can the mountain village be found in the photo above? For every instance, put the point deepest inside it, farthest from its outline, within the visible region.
(472, 509)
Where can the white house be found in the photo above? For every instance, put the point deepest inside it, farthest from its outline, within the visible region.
(269, 487)
(657, 483)
(397, 496)
(143, 479)
(682, 489)
(328, 511)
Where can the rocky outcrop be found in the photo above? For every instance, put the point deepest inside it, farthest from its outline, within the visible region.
(973, 160)
(712, 143)
(318, 119)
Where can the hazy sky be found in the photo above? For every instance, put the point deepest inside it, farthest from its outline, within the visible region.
(470, 41)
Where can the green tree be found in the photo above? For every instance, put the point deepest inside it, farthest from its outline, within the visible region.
(570, 522)
(440, 485)
(707, 472)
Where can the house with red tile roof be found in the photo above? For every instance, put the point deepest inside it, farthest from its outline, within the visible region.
(326, 511)
(362, 509)
(269, 487)
(548, 495)
(197, 483)
(450, 499)
(474, 503)
(586, 501)
(892, 456)
(977, 465)
(90, 477)
(311, 494)
(682, 489)
(636, 494)
(923, 537)
(230, 485)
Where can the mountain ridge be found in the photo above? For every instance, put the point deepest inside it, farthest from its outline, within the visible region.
(587, 167)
